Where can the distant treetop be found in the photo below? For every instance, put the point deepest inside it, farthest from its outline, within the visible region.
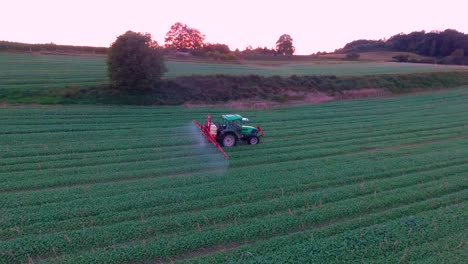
(284, 45)
(183, 38)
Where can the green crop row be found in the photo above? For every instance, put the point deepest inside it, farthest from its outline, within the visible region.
(433, 187)
(391, 241)
(162, 247)
(305, 173)
(85, 212)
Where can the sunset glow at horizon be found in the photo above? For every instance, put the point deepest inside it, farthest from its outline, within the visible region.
(314, 25)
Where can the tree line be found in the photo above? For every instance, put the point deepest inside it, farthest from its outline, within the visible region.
(49, 47)
(448, 46)
(180, 40)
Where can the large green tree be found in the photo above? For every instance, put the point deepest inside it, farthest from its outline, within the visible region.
(135, 62)
(284, 45)
(183, 38)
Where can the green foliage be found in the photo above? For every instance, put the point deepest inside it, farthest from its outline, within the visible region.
(357, 181)
(216, 47)
(439, 44)
(135, 62)
(258, 53)
(456, 57)
(216, 55)
(183, 38)
(284, 45)
(362, 45)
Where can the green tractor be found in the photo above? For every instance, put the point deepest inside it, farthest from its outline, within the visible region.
(229, 132)
(234, 128)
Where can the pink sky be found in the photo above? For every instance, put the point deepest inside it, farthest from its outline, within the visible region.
(314, 25)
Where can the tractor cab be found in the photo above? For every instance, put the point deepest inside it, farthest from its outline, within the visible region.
(233, 122)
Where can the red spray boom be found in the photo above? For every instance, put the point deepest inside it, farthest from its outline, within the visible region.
(205, 129)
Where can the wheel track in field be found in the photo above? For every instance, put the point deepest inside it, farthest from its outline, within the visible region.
(138, 158)
(325, 182)
(114, 148)
(85, 129)
(406, 122)
(398, 253)
(302, 166)
(291, 148)
(313, 140)
(360, 121)
(231, 247)
(327, 223)
(182, 173)
(422, 167)
(299, 231)
(152, 175)
(424, 250)
(404, 102)
(393, 190)
(73, 131)
(258, 199)
(346, 114)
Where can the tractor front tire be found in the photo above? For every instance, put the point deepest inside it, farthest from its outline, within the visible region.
(229, 140)
(254, 140)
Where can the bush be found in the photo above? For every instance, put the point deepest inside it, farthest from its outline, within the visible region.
(401, 58)
(353, 56)
(136, 62)
(221, 56)
(456, 57)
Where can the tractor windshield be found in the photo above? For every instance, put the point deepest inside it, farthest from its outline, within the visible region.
(235, 124)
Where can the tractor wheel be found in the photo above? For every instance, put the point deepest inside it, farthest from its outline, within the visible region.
(254, 140)
(229, 140)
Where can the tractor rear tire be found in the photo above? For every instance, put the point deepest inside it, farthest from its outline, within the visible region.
(254, 140)
(229, 140)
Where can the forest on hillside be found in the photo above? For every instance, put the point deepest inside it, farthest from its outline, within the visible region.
(448, 46)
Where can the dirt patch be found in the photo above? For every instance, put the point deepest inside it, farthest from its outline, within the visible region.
(363, 93)
(318, 97)
(293, 98)
(209, 250)
(247, 104)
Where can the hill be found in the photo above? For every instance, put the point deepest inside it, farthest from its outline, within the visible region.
(446, 47)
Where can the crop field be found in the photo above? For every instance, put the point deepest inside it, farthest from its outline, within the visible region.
(36, 72)
(30, 72)
(376, 180)
(338, 69)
